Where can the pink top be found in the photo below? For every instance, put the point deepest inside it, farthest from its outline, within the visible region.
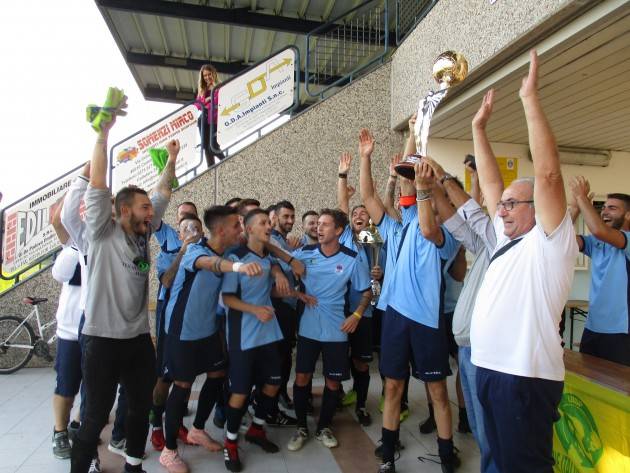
(210, 105)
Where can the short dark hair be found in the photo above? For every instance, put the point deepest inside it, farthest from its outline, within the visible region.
(189, 216)
(214, 215)
(125, 196)
(308, 213)
(246, 203)
(340, 218)
(271, 208)
(620, 196)
(187, 202)
(285, 204)
(233, 200)
(252, 213)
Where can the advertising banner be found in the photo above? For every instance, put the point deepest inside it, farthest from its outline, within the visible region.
(255, 96)
(28, 234)
(130, 159)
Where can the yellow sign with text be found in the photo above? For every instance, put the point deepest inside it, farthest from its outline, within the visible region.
(508, 168)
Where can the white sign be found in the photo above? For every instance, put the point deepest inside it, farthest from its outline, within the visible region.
(131, 159)
(248, 100)
(28, 233)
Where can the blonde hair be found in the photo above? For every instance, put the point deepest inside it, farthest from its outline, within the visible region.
(202, 88)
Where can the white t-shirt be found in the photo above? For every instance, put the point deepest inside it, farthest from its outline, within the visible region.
(518, 309)
(69, 309)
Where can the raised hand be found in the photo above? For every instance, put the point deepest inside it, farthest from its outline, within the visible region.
(485, 110)
(529, 87)
(173, 148)
(366, 143)
(293, 242)
(351, 191)
(250, 269)
(345, 160)
(580, 187)
(412, 123)
(264, 313)
(424, 176)
(393, 162)
(438, 171)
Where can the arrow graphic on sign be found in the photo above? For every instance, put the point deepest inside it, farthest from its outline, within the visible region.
(228, 110)
(284, 62)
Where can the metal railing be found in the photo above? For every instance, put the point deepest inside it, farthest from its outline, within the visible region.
(342, 48)
(408, 14)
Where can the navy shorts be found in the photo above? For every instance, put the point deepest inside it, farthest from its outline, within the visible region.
(613, 347)
(334, 354)
(186, 359)
(287, 319)
(361, 341)
(518, 416)
(405, 341)
(259, 365)
(68, 368)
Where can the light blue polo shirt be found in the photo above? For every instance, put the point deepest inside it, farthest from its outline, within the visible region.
(417, 278)
(286, 268)
(168, 239)
(244, 330)
(328, 279)
(354, 296)
(191, 312)
(609, 295)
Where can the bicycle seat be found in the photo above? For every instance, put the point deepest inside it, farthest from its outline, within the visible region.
(34, 300)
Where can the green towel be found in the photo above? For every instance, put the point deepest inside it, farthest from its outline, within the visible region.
(159, 156)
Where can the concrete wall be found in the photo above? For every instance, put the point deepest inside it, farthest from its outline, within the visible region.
(485, 33)
(298, 161)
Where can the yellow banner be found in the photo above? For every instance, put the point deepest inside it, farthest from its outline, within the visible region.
(593, 433)
(508, 168)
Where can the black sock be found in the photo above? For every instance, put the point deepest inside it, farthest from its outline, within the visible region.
(175, 406)
(389, 439)
(233, 416)
(267, 406)
(353, 372)
(129, 467)
(329, 406)
(158, 412)
(362, 383)
(208, 395)
(445, 447)
(300, 401)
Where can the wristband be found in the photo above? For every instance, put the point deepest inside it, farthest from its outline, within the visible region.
(236, 267)
(407, 200)
(423, 194)
(343, 175)
(357, 315)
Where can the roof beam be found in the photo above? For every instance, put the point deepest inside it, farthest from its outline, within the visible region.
(230, 68)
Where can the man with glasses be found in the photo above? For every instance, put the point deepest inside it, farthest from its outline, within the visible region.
(514, 333)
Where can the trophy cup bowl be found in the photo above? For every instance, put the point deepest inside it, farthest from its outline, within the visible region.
(450, 68)
(372, 241)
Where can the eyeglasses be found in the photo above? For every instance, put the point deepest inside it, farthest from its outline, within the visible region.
(509, 204)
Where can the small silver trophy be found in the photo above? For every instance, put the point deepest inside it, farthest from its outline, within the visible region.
(450, 68)
(372, 241)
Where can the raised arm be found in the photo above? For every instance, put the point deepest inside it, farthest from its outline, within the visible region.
(490, 180)
(390, 189)
(424, 192)
(344, 191)
(475, 190)
(217, 264)
(549, 196)
(580, 189)
(410, 145)
(456, 194)
(60, 230)
(369, 198)
(164, 184)
(70, 215)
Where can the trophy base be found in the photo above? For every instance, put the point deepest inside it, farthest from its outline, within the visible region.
(405, 168)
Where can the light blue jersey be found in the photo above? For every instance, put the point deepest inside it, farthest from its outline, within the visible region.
(170, 244)
(328, 279)
(348, 240)
(609, 296)
(244, 330)
(286, 268)
(191, 312)
(415, 290)
(391, 232)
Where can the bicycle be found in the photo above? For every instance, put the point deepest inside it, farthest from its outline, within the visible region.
(18, 341)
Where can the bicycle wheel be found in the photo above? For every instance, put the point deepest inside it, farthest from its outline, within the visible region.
(12, 357)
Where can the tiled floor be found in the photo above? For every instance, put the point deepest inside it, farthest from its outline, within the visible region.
(26, 424)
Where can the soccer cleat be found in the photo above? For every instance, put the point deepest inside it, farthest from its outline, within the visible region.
(349, 399)
(117, 447)
(157, 439)
(281, 420)
(387, 467)
(257, 436)
(378, 451)
(95, 466)
(428, 425)
(182, 434)
(61, 445)
(326, 437)
(450, 463)
(298, 440)
(285, 401)
(363, 416)
(230, 455)
(201, 437)
(73, 430)
(173, 463)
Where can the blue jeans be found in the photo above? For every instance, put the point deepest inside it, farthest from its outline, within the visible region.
(468, 375)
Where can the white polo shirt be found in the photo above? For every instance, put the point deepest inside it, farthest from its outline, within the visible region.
(69, 309)
(517, 313)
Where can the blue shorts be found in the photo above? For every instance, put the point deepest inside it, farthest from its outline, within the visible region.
(334, 356)
(258, 365)
(405, 341)
(68, 368)
(186, 359)
(361, 341)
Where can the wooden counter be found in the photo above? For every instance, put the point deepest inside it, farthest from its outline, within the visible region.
(603, 372)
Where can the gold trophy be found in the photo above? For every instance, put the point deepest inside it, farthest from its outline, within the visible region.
(372, 241)
(450, 68)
